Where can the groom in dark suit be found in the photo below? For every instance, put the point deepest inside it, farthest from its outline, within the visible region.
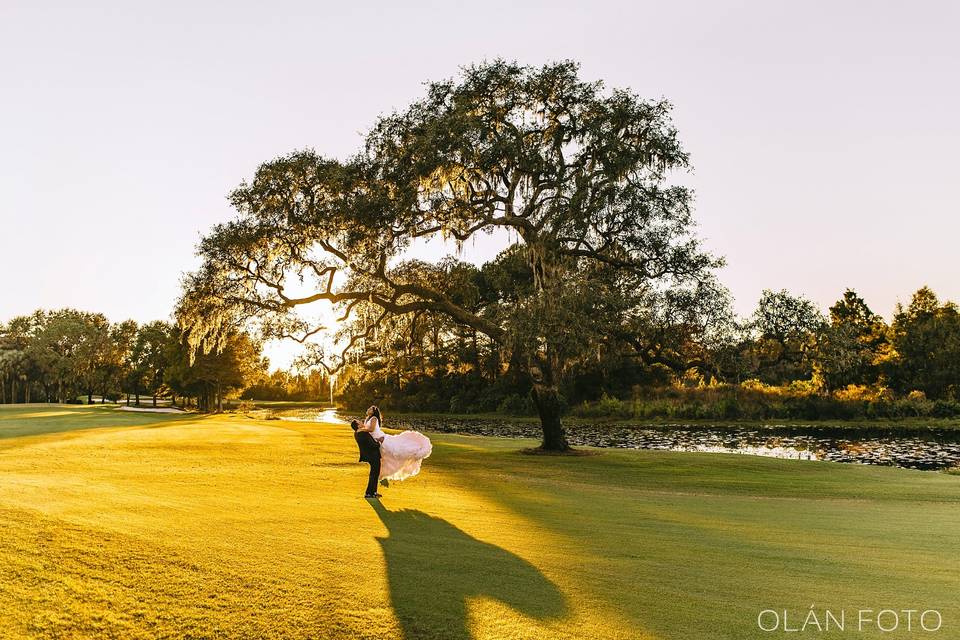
(370, 453)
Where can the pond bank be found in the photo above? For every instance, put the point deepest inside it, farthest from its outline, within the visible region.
(911, 446)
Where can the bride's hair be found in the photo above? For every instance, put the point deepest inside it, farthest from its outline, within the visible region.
(375, 411)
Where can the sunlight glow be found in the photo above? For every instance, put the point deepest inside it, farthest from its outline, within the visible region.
(477, 250)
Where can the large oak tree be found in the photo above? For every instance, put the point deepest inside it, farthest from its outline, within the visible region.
(576, 177)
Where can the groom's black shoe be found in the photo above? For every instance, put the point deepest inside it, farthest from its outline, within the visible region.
(371, 495)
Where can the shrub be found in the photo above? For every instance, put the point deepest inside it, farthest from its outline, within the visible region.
(728, 408)
(880, 408)
(691, 379)
(886, 394)
(855, 392)
(608, 406)
(945, 409)
(756, 385)
(803, 387)
(916, 406)
(660, 375)
(516, 405)
(458, 404)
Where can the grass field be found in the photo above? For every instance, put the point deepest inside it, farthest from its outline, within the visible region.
(130, 525)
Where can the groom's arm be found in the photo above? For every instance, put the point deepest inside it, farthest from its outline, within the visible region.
(369, 436)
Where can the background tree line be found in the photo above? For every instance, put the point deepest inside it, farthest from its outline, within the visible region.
(680, 353)
(294, 386)
(66, 355)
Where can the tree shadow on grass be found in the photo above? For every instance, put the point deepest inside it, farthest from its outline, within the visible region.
(17, 422)
(433, 568)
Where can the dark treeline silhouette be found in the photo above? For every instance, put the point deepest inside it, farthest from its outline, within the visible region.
(688, 356)
(66, 355)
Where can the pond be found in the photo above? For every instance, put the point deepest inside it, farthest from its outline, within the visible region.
(927, 449)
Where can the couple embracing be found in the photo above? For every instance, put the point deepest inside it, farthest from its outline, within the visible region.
(391, 457)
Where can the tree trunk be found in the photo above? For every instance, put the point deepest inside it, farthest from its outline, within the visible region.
(549, 407)
(546, 395)
(26, 391)
(476, 354)
(219, 399)
(154, 401)
(89, 396)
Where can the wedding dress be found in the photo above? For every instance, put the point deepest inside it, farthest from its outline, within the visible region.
(400, 454)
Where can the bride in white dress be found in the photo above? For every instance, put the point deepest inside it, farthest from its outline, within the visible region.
(400, 454)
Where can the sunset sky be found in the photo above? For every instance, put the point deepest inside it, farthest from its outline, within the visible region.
(824, 135)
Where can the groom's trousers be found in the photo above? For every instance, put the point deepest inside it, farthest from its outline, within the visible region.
(374, 475)
(370, 453)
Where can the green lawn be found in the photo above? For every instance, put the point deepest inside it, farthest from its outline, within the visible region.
(127, 525)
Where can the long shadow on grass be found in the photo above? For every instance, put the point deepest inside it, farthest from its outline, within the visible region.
(433, 568)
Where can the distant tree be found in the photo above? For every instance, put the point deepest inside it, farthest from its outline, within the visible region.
(18, 371)
(848, 348)
(682, 327)
(852, 310)
(734, 352)
(93, 352)
(11, 366)
(311, 385)
(925, 347)
(118, 361)
(149, 358)
(580, 179)
(55, 355)
(64, 346)
(210, 377)
(785, 326)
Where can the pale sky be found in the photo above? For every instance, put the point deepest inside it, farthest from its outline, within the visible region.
(824, 135)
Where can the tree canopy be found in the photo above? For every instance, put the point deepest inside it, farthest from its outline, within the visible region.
(576, 177)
